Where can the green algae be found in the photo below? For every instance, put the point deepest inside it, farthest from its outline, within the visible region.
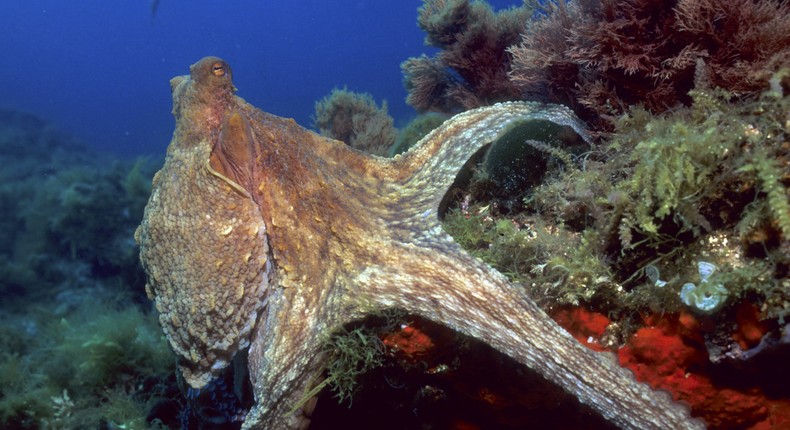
(354, 118)
(353, 353)
(557, 265)
(76, 348)
(24, 393)
(703, 183)
(84, 212)
(82, 370)
(415, 130)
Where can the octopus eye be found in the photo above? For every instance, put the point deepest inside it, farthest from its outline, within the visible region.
(218, 69)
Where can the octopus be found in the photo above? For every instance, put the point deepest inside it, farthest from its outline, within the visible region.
(262, 237)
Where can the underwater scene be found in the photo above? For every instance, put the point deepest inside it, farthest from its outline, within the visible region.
(427, 214)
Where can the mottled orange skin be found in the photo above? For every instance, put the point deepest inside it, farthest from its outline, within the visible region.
(324, 235)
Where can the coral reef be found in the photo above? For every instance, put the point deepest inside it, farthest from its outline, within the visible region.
(600, 57)
(355, 119)
(472, 66)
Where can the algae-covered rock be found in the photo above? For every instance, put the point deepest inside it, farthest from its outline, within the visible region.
(518, 160)
(677, 221)
(65, 207)
(75, 349)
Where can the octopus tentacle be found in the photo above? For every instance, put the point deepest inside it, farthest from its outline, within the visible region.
(470, 297)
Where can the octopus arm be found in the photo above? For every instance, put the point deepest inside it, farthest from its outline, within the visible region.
(429, 169)
(470, 297)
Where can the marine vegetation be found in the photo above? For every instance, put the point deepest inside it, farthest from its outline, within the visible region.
(415, 130)
(597, 57)
(355, 119)
(659, 186)
(60, 199)
(664, 240)
(600, 57)
(685, 212)
(95, 365)
(352, 353)
(76, 349)
(471, 68)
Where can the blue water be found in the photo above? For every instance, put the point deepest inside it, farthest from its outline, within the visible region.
(100, 69)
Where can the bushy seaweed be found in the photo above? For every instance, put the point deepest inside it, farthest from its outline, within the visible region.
(558, 265)
(472, 66)
(708, 183)
(76, 349)
(502, 243)
(415, 130)
(351, 353)
(81, 370)
(24, 393)
(85, 213)
(603, 57)
(355, 119)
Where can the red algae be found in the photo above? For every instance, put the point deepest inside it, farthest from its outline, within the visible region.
(779, 418)
(750, 329)
(669, 353)
(463, 385)
(586, 326)
(409, 340)
(662, 357)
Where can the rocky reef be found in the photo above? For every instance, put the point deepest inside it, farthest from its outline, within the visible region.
(78, 346)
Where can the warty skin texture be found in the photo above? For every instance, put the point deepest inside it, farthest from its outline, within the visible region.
(294, 235)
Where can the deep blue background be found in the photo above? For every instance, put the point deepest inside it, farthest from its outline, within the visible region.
(100, 69)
